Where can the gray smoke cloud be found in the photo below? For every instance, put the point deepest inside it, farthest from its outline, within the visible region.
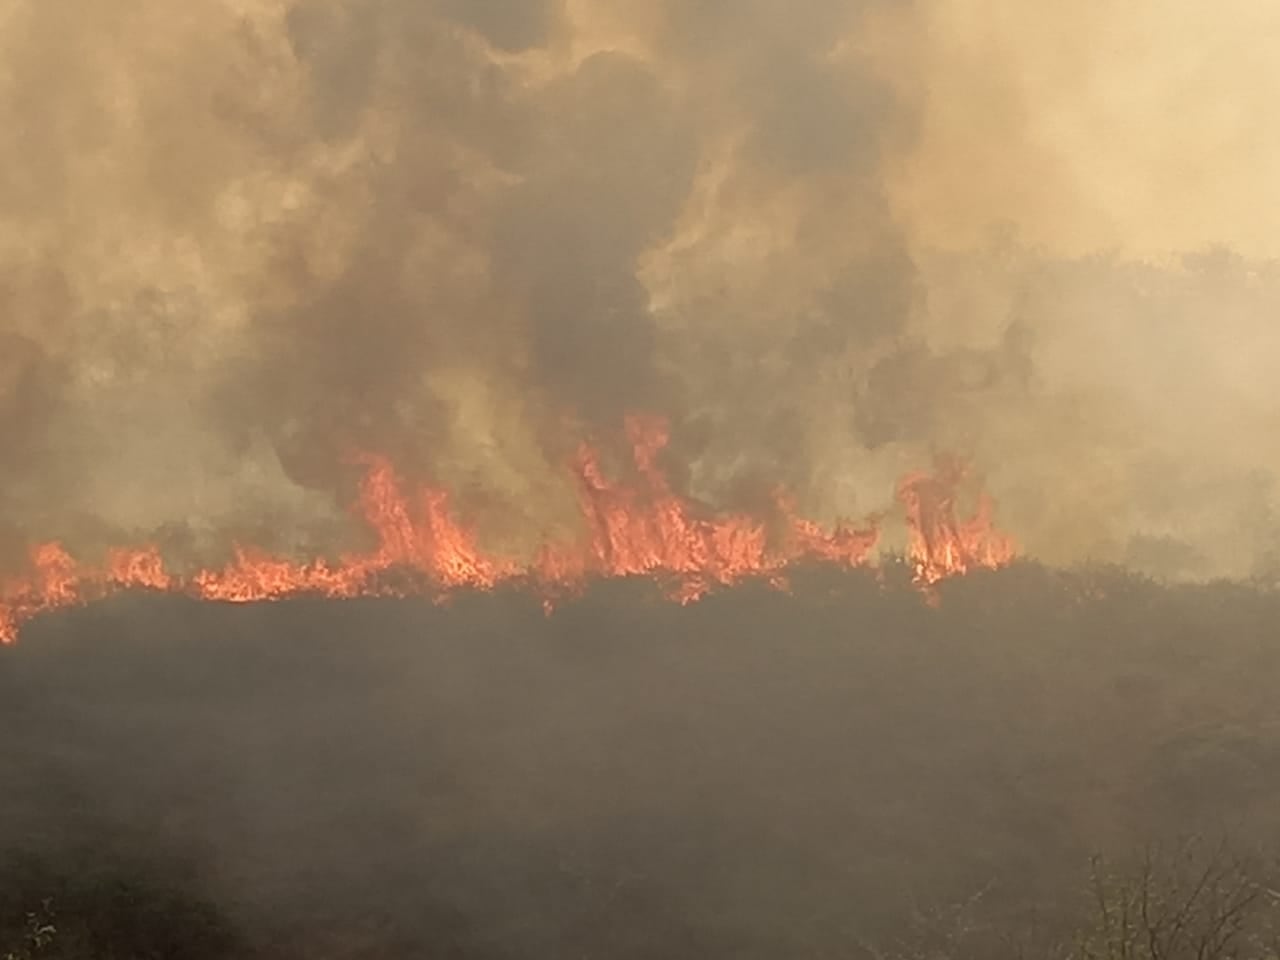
(240, 239)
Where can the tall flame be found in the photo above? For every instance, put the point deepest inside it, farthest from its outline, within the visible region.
(631, 529)
(940, 544)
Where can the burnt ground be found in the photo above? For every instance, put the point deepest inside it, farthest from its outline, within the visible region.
(757, 775)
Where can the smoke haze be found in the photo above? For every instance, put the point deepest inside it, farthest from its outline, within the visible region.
(240, 239)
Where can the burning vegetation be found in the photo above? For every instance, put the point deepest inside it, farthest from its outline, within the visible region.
(590, 363)
(636, 528)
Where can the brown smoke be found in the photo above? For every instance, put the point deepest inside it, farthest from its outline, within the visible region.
(243, 238)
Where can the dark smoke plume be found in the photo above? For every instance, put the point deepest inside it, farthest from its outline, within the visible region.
(242, 239)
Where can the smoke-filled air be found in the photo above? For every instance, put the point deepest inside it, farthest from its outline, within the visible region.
(639, 478)
(249, 248)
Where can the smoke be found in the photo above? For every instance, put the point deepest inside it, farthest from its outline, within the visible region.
(244, 238)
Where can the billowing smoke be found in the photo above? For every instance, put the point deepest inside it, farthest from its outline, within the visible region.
(244, 238)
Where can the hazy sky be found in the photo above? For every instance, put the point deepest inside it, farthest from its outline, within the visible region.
(1139, 127)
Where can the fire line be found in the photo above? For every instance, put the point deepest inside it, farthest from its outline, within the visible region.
(631, 530)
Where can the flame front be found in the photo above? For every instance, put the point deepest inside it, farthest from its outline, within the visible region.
(642, 528)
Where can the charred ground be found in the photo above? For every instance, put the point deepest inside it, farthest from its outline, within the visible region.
(759, 774)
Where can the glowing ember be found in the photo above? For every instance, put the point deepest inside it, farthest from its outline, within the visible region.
(639, 528)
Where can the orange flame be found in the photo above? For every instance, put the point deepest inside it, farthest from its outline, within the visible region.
(636, 529)
(941, 545)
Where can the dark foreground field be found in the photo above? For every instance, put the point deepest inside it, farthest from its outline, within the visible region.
(820, 774)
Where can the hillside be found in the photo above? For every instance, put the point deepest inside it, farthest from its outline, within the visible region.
(761, 774)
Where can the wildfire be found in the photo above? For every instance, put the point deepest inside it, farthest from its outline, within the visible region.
(941, 545)
(632, 529)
